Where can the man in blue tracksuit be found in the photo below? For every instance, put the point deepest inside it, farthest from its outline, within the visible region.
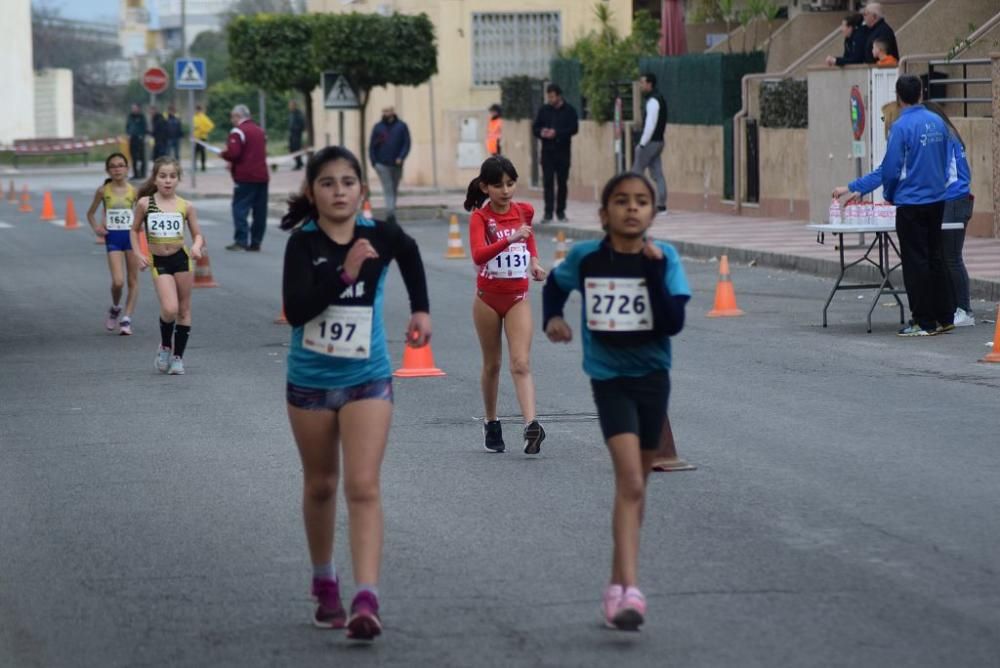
(914, 177)
(388, 147)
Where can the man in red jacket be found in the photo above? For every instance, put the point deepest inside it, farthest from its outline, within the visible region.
(246, 153)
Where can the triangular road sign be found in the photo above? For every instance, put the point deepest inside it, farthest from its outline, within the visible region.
(190, 75)
(339, 94)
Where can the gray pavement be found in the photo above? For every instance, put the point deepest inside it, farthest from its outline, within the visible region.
(843, 513)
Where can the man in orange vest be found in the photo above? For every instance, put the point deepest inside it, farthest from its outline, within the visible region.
(494, 130)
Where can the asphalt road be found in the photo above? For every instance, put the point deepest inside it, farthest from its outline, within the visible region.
(844, 512)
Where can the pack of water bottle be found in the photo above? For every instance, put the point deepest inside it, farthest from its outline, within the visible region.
(861, 214)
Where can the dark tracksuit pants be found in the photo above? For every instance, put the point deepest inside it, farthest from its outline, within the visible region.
(555, 171)
(927, 282)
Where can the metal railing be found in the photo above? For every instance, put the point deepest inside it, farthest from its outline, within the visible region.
(964, 80)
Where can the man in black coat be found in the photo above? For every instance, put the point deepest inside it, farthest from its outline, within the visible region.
(160, 132)
(555, 125)
(296, 126)
(878, 29)
(137, 129)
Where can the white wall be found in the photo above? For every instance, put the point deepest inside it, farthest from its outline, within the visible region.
(54, 103)
(16, 76)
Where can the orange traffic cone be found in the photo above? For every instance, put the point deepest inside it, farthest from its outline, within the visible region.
(12, 193)
(144, 247)
(994, 356)
(203, 273)
(725, 294)
(456, 251)
(71, 221)
(560, 248)
(48, 210)
(366, 210)
(281, 319)
(25, 201)
(418, 363)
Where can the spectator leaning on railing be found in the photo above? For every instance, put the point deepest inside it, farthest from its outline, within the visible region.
(855, 38)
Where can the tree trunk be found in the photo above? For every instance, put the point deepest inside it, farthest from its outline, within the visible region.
(363, 98)
(310, 136)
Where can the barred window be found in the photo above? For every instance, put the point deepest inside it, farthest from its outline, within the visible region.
(513, 44)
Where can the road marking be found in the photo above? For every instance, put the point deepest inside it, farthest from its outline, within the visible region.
(4, 225)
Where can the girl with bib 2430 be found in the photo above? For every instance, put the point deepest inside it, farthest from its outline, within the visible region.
(161, 214)
(118, 197)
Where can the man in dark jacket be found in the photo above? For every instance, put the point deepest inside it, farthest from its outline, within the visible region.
(878, 29)
(296, 126)
(387, 149)
(555, 125)
(246, 153)
(174, 132)
(137, 129)
(855, 34)
(161, 133)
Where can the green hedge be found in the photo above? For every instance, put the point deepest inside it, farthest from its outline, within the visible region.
(567, 73)
(784, 104)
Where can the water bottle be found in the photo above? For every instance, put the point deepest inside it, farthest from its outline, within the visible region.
(836, 212)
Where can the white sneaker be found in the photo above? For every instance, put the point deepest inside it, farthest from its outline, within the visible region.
(176, 366)
(964, 318)
(162, 359)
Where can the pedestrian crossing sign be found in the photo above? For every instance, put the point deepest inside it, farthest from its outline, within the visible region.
(189, 74)
(338, 92)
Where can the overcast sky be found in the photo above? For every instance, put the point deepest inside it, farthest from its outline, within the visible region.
(88, 10)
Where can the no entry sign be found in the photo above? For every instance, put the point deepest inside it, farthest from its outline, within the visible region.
(155, 80)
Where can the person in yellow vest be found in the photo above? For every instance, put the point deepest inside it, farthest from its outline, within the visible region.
(203, 125)
(494, 130)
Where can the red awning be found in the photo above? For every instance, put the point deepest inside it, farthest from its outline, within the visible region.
(673, 41)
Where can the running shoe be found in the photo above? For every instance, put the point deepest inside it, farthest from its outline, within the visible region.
(964, 318)
(493, 436)
(125, 326)
(112, 318)
(176, 366)
(533, 437)
(913, 329)
(163, 359)
(364, 623)
(330, 613)
(944, 329)
(609, 606)
(631, 611)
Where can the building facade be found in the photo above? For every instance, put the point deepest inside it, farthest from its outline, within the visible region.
(17, 78)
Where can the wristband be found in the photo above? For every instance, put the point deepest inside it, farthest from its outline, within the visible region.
(346, 278)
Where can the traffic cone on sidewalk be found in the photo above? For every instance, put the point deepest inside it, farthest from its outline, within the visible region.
(12, 193)
(281, 319)
(994, 356)
(203, 273)
(25, 201)
(48, 210)
(71, 220)
(418, 363)
(560, 248)
(366, 210)
(725, 294)
(456, 251)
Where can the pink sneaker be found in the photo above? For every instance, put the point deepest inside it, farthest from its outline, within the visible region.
(631, 611)
(609, 606)
(330, 613)
(364, 623)
(112, 319)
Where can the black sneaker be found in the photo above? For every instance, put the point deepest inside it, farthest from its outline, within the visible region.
(533, 437)
(493, 436)
(254, 248)
(547, 219)
(236, 247)
(561, 217)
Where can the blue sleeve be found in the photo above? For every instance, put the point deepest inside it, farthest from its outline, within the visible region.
(962, 163)
(561, 282)
(868, 182)
(677, 283)
(405, 150)
(892, 163)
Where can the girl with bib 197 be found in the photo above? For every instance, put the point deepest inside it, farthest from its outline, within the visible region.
(634, 294)
(162, 215)
(118, 197)
(503, 248)
(339, 389)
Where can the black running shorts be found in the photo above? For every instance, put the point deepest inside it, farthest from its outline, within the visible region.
(176, 263)
(633, 406)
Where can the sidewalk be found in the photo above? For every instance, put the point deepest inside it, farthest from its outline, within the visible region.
(772, 242)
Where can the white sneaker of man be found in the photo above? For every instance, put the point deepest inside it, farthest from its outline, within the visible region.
(964, 318)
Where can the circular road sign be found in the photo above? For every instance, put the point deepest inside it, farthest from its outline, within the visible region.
(155, 80)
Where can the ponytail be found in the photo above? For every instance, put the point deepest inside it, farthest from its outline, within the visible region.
(475, 196)
(107, 180)
(149, 187)
(299, 209)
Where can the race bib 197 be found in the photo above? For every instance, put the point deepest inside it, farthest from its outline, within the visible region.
(340, 331)
(617, 305)
(166, 226)
(118, 219)
(511, 263)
